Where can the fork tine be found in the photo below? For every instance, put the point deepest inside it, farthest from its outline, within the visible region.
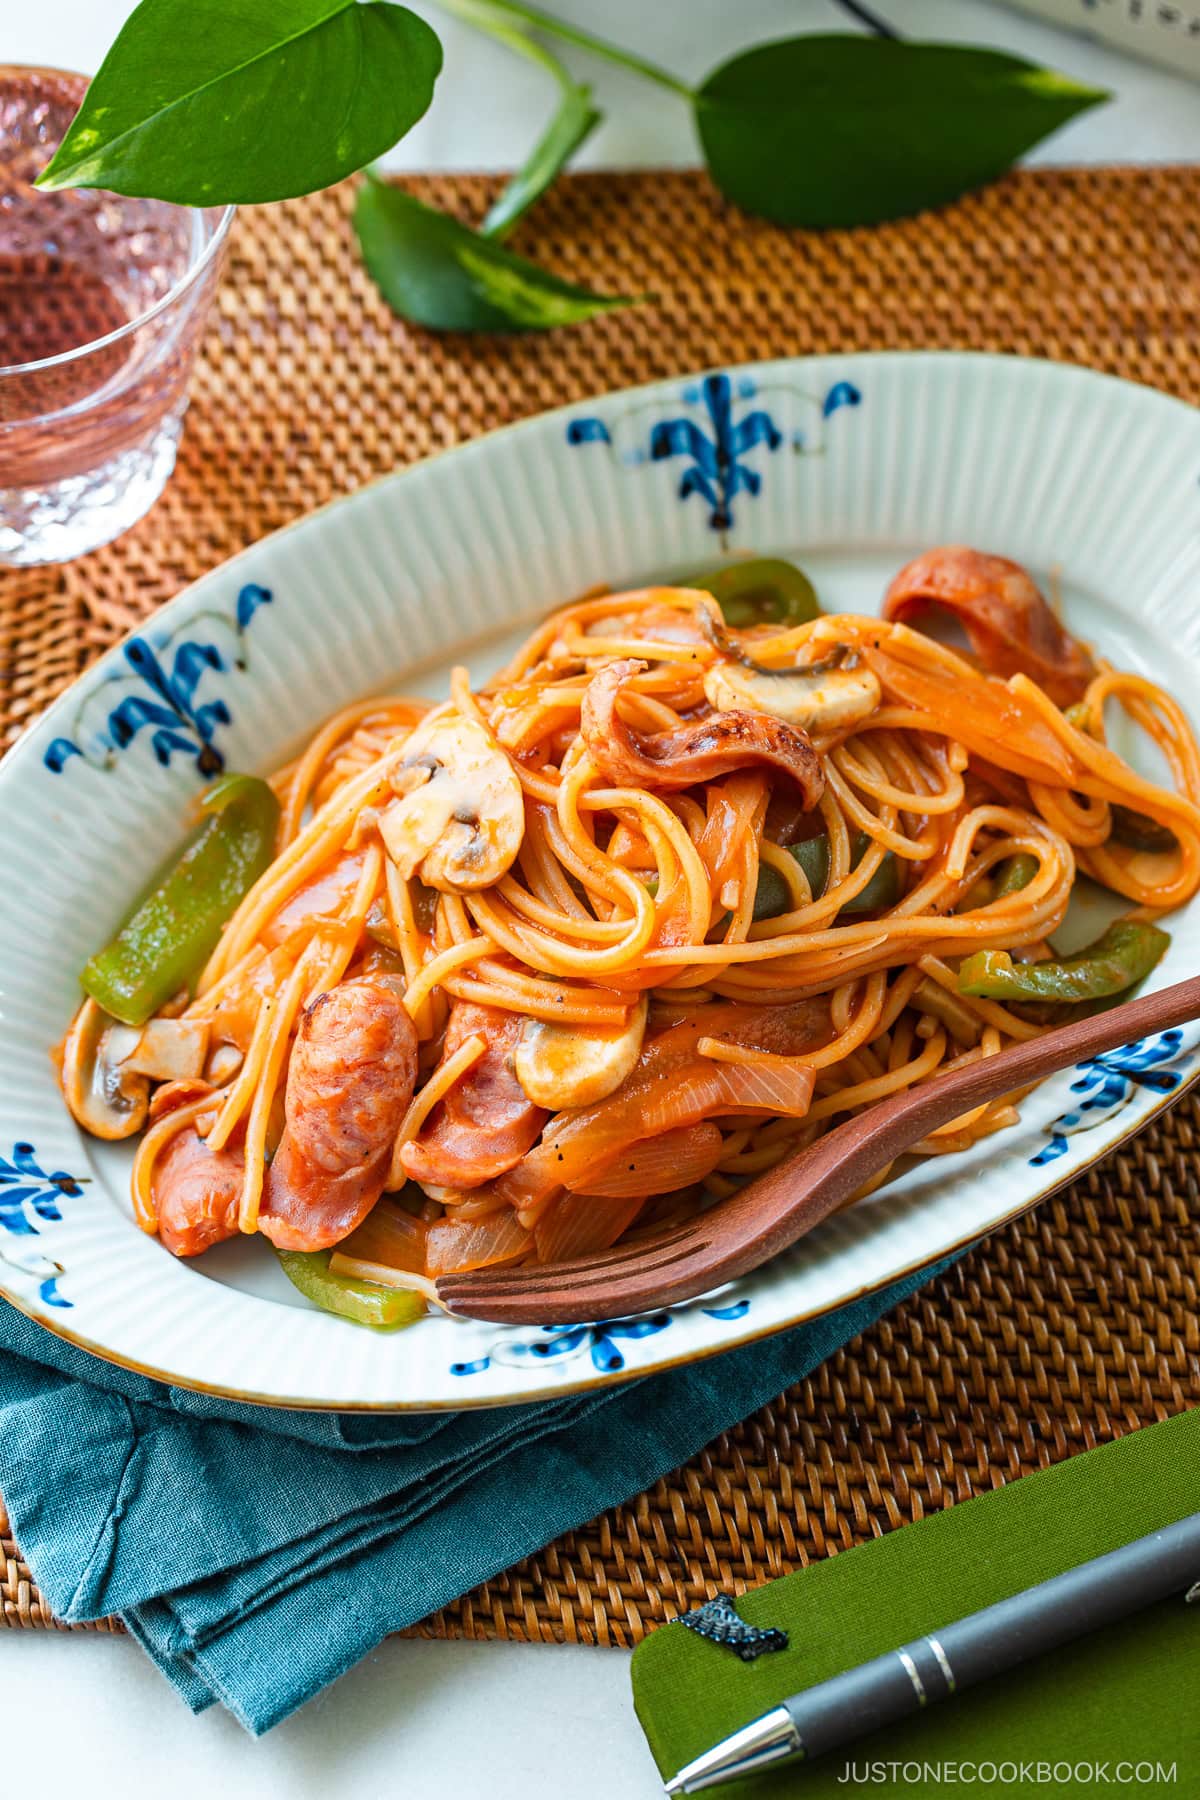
(627, 1252)
(785, 1202)
(474, 1284)
(521, 1274)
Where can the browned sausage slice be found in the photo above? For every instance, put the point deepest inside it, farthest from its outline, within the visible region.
(697, 750)
(196, 1194)
(351, 1076)
(1011, 627)
(486, 1123)
(306, 1208)
(352, 1072)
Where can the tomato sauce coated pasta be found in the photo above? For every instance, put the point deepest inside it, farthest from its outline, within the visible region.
(585, 947)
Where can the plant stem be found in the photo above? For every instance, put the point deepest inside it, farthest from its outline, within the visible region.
(484, 15)
(573, 34)
(575, 119)
(866, 17)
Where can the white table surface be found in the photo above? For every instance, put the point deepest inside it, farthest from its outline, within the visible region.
(434, 1721)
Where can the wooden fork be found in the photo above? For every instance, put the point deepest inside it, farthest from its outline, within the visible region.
(770, 1213)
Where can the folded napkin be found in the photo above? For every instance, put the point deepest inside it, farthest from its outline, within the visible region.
(1118, 1708)
(257, 1554)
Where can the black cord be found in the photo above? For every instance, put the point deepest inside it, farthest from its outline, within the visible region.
(865, 17)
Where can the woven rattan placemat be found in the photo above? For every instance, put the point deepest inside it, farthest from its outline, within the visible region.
(1075, 1324)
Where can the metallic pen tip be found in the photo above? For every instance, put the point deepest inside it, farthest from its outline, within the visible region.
(756, 1746)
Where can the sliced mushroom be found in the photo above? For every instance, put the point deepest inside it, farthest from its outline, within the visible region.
(570, 1065)
(169, 1049)
(104, 1096)
(223, 1064)
(460, 815)
(663, 624)
(820, 698)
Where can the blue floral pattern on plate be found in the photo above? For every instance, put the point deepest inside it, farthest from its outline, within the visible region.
(716, 437)
(28, 1193)
(158, 691)
(1106, 1084)
(601, 1342)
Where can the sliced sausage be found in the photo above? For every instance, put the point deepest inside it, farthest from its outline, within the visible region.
(1005, 615)
(196, 1194)
(306, 1208)
(351, 1076)
(697, 750)
(352, 1072)
(486, 1123)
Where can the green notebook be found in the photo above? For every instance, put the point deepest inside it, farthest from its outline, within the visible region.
(1115, 1712)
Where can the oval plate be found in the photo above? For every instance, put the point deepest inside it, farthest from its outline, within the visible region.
(849, 463)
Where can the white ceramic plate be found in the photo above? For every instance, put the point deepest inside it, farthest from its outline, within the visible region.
(849, 463)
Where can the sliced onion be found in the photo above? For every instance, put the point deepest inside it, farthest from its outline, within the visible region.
(659, 1165)
(451, 1248)
(577, 1224)
(770, 1087)
(223, 1064)
(388, 1235)
(672, 1087)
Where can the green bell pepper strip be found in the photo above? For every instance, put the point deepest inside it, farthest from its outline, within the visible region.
(1015, 872)
(363, 1302)
(1122, 957)
(813, 856)
(761, 591)
(771, 896)
(882, 890)
(172, 932)
(1139, 832)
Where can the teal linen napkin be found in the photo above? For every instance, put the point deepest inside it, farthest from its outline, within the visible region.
(256, 1554)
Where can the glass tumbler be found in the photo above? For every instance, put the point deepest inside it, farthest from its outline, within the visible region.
(102, 300)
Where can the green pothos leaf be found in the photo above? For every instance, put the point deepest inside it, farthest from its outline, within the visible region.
(225, 101)
(437, 272)
(840, 130)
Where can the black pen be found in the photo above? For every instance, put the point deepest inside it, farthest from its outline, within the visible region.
(956, 1656)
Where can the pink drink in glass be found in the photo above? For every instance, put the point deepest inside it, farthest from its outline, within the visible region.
(102, 300)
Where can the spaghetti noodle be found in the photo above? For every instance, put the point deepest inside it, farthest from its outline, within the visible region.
(786, 838)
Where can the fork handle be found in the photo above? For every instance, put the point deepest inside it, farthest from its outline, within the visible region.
(806, 1187)
(771, 1213)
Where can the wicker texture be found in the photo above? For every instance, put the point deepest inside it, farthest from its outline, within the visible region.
(1067, 1328)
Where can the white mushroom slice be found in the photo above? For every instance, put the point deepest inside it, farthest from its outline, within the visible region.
(575, 1065)
(460, 815)
(825, 700)
(104, 1096)
(664, 624)
(223, 1064)
(169, 1050)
